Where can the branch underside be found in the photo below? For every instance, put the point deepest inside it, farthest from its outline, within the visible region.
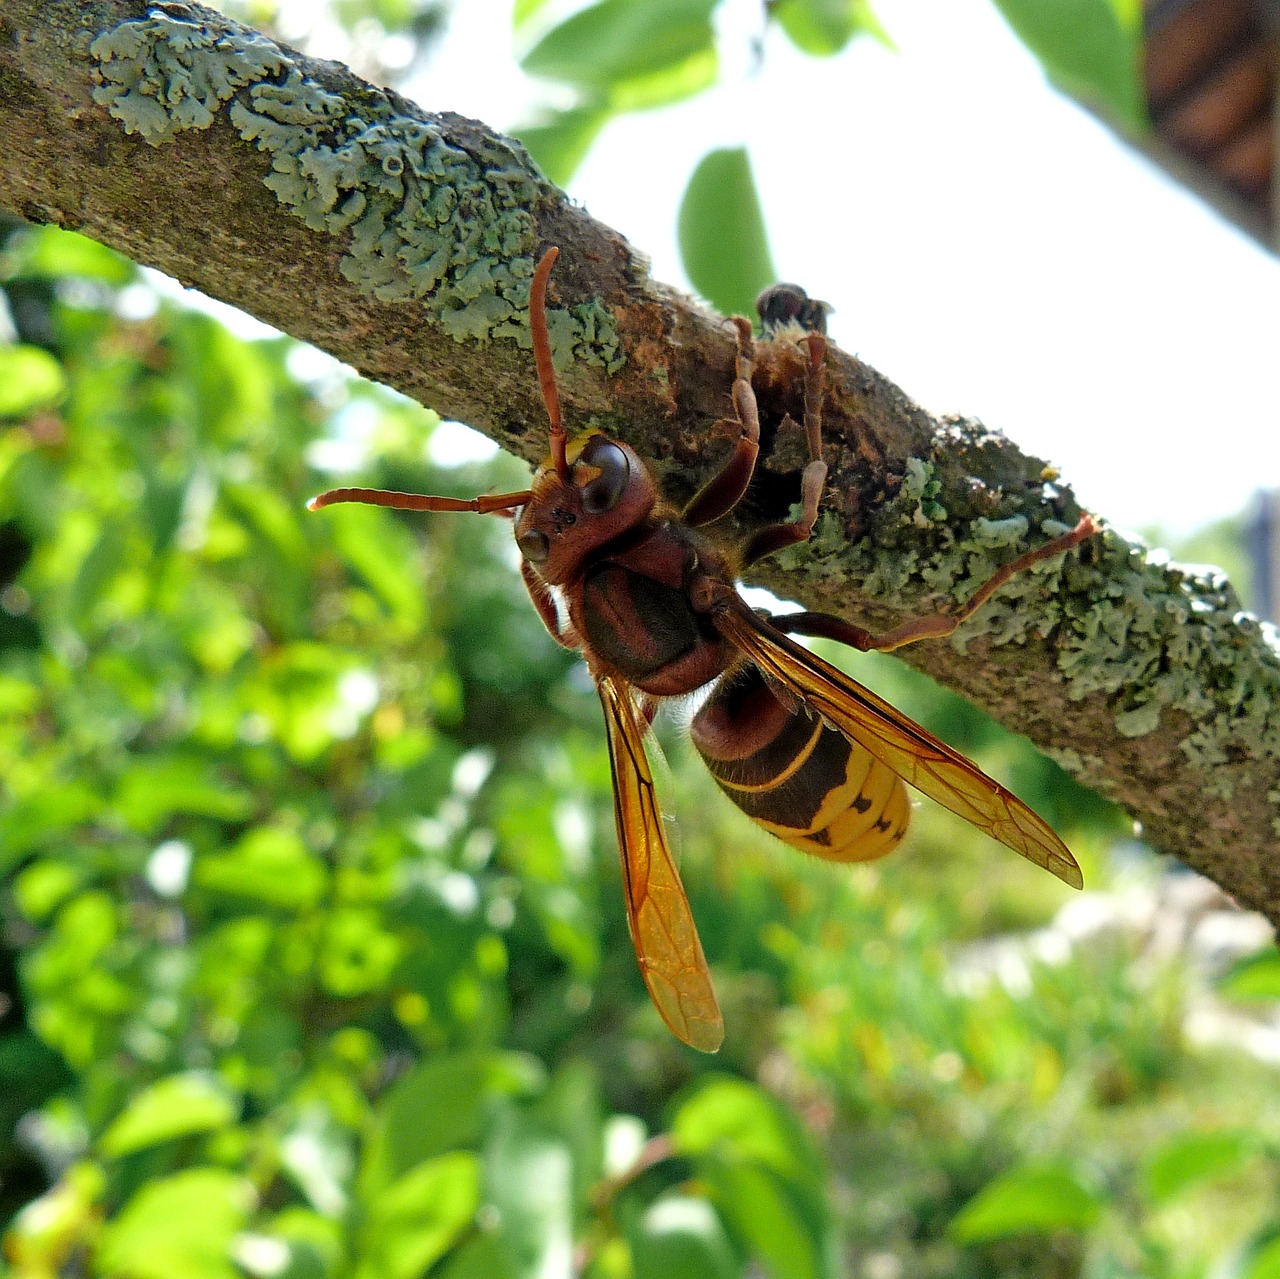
(402, 243)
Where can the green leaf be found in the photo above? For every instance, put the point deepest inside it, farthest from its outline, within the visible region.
(1262, 1259)
(29, 822)
(665, 85)
(316, 1244)
(523, 10)
(737, 1120)
(560, 144)
(267, 865)
(529, 1180)
(1091, 48)
(481, 1257)
(174, 1107)
(1197, 1157)
(631, 55)
(385, 554)
(48, 252)
(574, 1109)
(30, 379)
(1031, 1199)
(153, 790)
(274, 519)
(45, 885)
(679, 1235)
(358, 953)
(723, 243)
(439, 1106)
(1256, 978)
(316, 1153)
(180, 1225)
(823, 27)
(415, 1221)
(785, 1229)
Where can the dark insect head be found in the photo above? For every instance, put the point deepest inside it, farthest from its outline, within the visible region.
(582, 496)
(607, 491)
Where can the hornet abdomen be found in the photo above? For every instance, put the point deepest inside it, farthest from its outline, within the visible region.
(799, 779)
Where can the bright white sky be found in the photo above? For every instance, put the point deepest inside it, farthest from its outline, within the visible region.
(985, 243)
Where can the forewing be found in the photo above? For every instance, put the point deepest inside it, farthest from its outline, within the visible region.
(926, 763)
(662, 927)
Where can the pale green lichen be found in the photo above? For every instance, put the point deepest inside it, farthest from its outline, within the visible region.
(1163, 643)
(1073, 761)
(1151, 636)
(823, 555)
(160, 75)
(921, 487)
(1161, 637)
(424, 218)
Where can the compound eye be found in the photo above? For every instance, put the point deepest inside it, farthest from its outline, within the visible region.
(534, 546)
(602, 493)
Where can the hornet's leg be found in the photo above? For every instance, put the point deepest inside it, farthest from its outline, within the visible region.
(935, 625)
(544, 602)
(724, 490)
(776, 536)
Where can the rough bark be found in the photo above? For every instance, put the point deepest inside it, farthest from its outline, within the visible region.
(401, 243)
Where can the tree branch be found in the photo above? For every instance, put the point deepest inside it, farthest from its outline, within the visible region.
(402, 243)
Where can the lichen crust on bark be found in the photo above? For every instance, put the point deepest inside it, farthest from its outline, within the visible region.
(1150, 635)
(424, 219)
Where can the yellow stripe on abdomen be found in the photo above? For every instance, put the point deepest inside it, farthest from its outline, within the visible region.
(863, 818)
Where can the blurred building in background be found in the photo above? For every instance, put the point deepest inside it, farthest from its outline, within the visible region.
(1262, 540)
(1212, 68)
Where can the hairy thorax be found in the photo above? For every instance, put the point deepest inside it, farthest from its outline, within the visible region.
(635, 613)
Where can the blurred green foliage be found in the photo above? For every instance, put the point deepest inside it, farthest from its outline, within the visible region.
(314, 956)
(313, 962)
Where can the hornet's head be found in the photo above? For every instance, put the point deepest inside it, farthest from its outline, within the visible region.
(603, 490)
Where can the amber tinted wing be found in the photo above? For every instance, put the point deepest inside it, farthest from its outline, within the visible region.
(895, 740)
(658, 913)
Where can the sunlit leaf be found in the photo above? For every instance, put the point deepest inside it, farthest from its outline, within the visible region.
(180, 1225)
(523, 10)
(267, 865)
(679, 1235)
(1027, 1200)
(740, 1121)
(26, 823)
(45, 885)
(30, 379)
(174, 1107)
(358, 952)
(823, 27)
(153, 790)
(662, 86)
(560, 143)
(1254, 978)
(440, 1105)
(1090, 47)
(617, 47)
(416, 1219)
(50, 252)
(528, 1178)
(723, 243)
(1186, 1161)
(44, 1235)
(783, 1227)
